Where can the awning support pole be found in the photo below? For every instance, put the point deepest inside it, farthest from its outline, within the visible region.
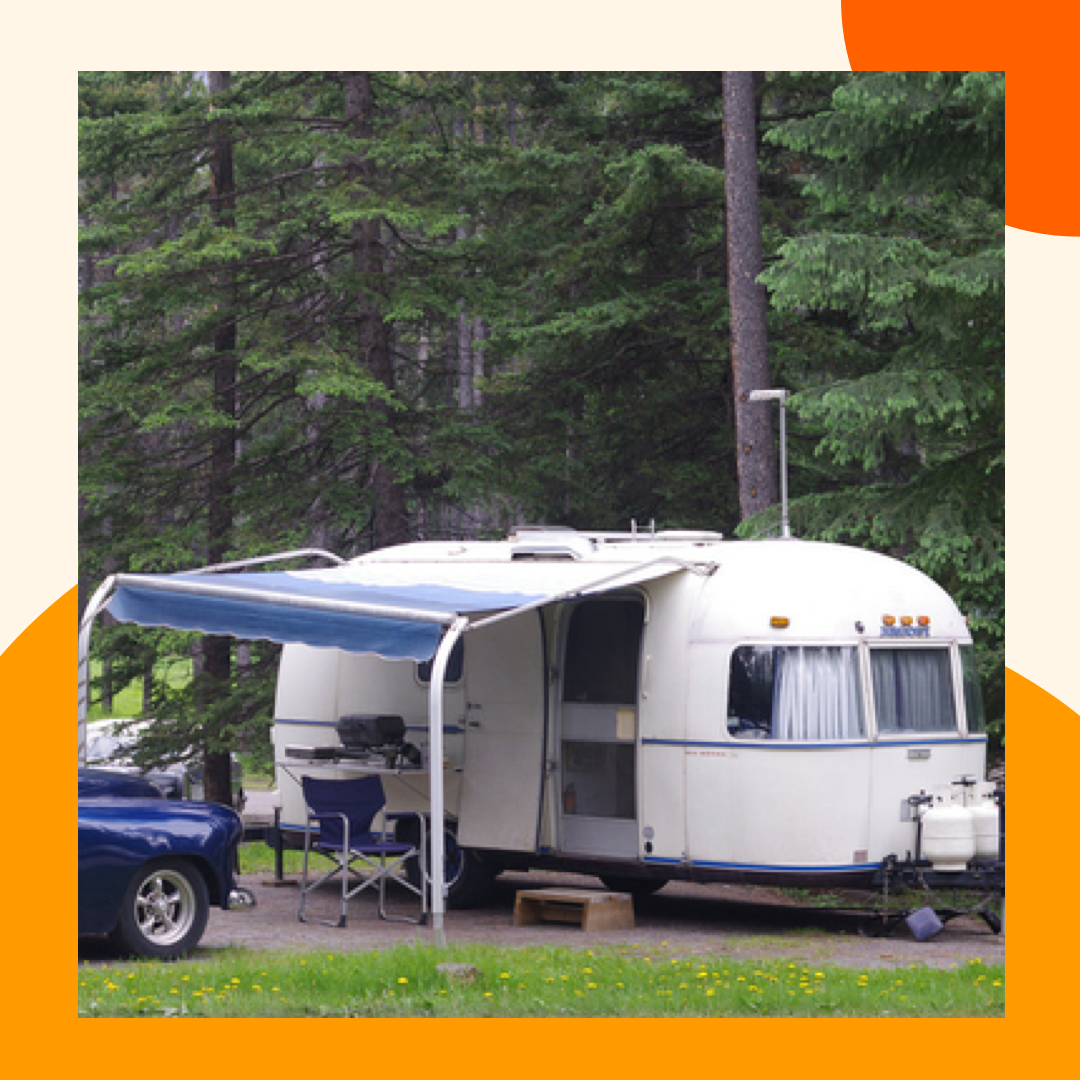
(437, 867)
(97, 602)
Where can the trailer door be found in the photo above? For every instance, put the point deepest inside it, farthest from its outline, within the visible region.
(598, 736)
(504, 735)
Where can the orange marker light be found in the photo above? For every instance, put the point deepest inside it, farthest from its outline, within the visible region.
(780, 621)
(905, 620)
(924, 620)
(889, 620)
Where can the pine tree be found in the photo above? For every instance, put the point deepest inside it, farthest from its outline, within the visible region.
(896, 296)
(601, 277)
(246, 381)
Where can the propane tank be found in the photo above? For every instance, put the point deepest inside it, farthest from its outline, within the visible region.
(948, 832)
(979, 799)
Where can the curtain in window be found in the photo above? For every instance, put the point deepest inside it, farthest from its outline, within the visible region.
(816, 695)
(913, 690)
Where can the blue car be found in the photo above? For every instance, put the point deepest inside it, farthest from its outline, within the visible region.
(151, 868)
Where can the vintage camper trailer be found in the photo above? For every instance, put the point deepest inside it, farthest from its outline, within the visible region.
(645, 707)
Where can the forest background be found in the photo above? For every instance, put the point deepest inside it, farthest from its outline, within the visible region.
(348, 309)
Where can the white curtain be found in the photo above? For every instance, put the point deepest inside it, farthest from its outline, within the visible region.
(816, 695)
(913, 690)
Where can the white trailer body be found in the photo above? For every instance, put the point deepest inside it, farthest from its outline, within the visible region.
(763, 713)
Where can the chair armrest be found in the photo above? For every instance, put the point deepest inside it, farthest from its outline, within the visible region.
(314, 818)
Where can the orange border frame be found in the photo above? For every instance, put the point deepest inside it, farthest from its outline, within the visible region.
(914, 35)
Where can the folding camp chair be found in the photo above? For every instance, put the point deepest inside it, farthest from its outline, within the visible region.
(343, 812)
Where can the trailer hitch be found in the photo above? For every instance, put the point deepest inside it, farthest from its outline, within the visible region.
(913, 875)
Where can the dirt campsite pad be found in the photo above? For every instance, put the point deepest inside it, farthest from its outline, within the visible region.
(736, 921)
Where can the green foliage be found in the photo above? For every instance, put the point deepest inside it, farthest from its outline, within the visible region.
(601, 265)
(165, 272)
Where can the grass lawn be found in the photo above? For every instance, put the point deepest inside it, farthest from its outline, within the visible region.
(405, 981)
(258, 858)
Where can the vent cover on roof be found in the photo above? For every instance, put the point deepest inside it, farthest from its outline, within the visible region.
(538, 542)
(560, 542)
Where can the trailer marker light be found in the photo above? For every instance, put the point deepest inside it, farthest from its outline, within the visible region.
(924, 620)
(780, 621)
(905, 620)
(888, 620)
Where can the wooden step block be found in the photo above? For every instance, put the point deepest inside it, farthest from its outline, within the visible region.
(587, 908)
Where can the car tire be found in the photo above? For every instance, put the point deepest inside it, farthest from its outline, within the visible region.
(164, 911)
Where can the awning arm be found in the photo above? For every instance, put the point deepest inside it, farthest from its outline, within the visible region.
(97, 602)
(601, 584)
(437, 867)
(303, 553)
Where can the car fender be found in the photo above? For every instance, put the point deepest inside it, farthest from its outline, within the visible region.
(119, 837)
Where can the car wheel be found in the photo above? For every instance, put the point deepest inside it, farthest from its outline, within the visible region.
(164, 912)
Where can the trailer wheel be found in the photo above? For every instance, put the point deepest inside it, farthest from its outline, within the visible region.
(469, 879)
(635, 886)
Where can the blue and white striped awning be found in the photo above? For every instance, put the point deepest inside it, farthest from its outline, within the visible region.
(396, 610)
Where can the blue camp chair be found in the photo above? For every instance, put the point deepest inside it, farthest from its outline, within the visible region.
(343, 813)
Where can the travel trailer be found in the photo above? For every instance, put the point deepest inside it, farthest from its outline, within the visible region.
(638, 706)
(761, 711)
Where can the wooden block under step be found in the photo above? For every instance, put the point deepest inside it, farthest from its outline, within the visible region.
(589, 909)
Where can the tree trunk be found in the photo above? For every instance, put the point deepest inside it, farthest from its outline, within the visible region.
(757, 454)
(390, 515)
(217, 651)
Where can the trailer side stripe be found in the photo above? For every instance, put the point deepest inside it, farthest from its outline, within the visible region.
(765, 744)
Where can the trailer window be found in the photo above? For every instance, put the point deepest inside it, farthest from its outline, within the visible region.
(973, 702)
(799, 692)
(913, 690)
(455, 666)
(602, 652)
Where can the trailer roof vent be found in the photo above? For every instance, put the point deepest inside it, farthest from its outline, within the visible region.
(538, 542)
(690, 536)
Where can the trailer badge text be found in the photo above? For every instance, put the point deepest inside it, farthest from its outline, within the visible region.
(905, 631)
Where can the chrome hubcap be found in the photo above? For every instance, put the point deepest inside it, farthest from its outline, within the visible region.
(165, 907)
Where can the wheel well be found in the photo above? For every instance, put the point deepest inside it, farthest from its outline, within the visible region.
(196, 862)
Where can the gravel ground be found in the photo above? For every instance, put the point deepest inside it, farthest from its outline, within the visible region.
(730, 920)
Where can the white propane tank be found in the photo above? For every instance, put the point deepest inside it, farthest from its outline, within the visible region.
(979, 799)
(948, 832)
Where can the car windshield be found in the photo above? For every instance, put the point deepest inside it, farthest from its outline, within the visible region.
(107, 748)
